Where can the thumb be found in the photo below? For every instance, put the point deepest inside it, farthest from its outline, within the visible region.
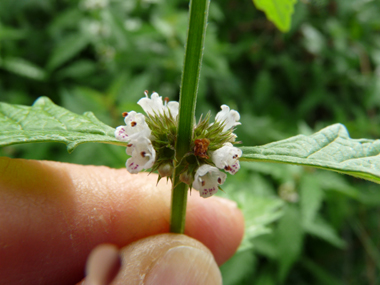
(161, 259)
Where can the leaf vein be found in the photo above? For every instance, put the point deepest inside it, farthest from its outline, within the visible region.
(323, 147)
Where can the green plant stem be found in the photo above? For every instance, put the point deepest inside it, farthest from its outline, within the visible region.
(198, 15)
(178, 214)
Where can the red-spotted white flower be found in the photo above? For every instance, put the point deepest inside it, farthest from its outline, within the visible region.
(135, 125)
(142, 152)
(227, 158)
(207, 180)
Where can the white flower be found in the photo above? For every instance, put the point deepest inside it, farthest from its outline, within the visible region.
(229, 117)
(207, 179)
(155, 105)
(227, 158)
(142, 152)
(173, 107)
(134, 125)
(152, 105)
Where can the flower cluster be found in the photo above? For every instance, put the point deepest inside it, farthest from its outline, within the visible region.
(151, 144)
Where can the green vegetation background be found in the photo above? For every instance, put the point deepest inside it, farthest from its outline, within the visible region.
(304, 226)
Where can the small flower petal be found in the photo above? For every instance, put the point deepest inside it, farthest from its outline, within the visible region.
(173, 107)
(143, 154)
(207, 179)
(121, 134)
(135, 125)
(227, 158)
(229, 117)
(155, 106)
(152, 105)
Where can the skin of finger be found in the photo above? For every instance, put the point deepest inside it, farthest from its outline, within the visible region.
(103, 264)
(140, 258)
(53, 214)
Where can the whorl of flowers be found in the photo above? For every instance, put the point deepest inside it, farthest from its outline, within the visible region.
(151, 144)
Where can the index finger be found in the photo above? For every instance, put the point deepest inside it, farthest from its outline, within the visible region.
(52, 215)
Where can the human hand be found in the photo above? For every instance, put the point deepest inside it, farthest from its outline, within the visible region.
(53, 214)
(159, 259)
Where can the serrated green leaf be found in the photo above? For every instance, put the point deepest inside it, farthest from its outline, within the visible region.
(278, 11)
(47, 122)
(331, 149)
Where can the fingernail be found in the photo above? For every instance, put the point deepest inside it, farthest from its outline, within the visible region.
(103, 264)
(185, 265)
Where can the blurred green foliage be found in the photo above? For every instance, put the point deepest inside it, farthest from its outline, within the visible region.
(100, 55)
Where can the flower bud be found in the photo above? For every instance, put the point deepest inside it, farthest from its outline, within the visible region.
(165, 170)
(186, 177)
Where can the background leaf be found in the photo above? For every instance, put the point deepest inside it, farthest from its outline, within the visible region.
(46, 122)
(289, 240)
(236, 268)
(331, 148)
(22, 67)
(68, 48)
(323, 230)
(278, 11)
(311, 198)
(260, 208)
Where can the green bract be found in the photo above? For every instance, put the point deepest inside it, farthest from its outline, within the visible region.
(164, 131)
